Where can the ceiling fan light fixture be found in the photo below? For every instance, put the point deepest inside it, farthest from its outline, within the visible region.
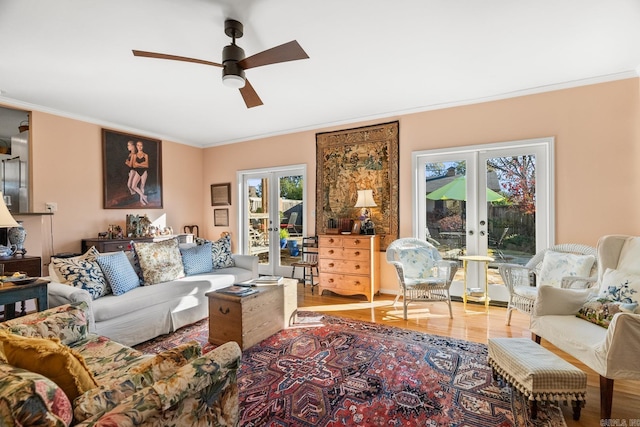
(233, 81)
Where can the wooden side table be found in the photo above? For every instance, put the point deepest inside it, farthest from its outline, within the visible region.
(10, 294)
(465, 295)
(31, 265)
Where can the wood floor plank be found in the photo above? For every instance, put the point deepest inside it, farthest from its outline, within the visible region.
(477, 326)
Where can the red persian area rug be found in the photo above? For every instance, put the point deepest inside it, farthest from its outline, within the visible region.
(353, 373)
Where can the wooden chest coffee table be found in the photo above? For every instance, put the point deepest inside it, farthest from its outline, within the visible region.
(246, 320)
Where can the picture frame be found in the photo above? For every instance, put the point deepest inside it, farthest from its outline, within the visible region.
(132, 171)
(356, 159)
(221, 217)
(221, 194)
(356, 227)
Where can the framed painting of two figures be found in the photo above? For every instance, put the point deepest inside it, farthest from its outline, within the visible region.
(132, 168)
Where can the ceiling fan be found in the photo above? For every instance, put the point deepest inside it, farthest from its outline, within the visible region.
(234, 62)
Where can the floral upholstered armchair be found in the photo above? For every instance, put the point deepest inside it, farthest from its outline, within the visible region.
(54, 373)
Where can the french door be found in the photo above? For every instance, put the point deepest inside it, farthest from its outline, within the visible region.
(272, 216)
(493, 199)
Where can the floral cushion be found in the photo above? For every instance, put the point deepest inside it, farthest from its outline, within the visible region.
(197, 259)
(159, 261)
(66, 322)
(557, 265)
(119, 272)
(418, 262)
(144, 374)
(32, 399)
(618, 294)
(83, 272)
(221, 253)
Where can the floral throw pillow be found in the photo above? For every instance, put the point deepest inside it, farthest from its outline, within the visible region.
(418, 263)
(159, 261)
(619, 293)
(557, 265)
(221, 253)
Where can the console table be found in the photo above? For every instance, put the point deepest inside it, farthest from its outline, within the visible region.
(115, 245)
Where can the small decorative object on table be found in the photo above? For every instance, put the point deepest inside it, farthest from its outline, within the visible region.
(17, 235)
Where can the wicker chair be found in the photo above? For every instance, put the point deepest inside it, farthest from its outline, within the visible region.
(409, 255)
(520, 280)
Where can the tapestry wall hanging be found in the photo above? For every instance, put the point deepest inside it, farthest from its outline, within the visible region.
(132, 168)
(349, 160)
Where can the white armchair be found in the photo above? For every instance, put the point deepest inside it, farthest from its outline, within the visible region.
(611, 352)
(422, 274)
(522, 281)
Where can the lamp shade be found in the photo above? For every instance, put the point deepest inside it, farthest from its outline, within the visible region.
(6, 220)
(365, 199)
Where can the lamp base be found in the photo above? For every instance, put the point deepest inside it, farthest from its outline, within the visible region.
(17, 236)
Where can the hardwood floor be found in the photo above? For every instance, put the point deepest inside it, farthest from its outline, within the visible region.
(475, 325)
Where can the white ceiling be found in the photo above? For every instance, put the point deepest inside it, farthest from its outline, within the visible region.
(368, 59)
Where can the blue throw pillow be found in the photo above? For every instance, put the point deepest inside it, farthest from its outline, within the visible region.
(119, 272)
(197, 259)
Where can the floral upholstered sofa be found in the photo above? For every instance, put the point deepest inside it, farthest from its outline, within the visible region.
(54, 373)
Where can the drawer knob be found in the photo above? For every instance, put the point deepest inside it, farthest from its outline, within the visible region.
(330, 280)
(331, 264)
(331, 251)
(226, 311)
(331, 240)
(357, 241)
(120, 247)
(357, 266)
(357, 253)
(357, 282)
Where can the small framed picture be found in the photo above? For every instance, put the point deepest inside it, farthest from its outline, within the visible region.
(356, 227)
(221, 217)
(221, 194)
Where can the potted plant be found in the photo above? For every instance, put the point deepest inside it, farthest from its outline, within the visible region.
(284, 235)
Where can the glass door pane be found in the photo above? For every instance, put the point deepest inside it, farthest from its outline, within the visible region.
(273, 211)
(446, 207)
(488, 200)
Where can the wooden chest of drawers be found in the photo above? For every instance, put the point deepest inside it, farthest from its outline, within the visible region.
(246, 320)
(349, 264)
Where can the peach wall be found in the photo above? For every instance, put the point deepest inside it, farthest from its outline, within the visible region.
(67, 169)
(596, 129)
(596, 139)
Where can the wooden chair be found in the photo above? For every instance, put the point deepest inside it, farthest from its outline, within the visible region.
(291, 225)
(308, 261)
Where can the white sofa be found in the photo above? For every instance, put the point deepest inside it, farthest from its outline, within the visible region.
(611, 352)
(146, 312)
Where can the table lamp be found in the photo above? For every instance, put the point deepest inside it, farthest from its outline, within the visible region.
(365, 201)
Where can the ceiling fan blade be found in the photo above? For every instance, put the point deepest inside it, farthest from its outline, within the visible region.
(249, 95)
(291, 51)
(173, 57)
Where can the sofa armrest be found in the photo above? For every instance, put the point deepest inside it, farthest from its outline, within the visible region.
(558, 301)
(67, 322)
(248, 262)
(577, 282)
(622, 346)
(60, 294)
(210, 379)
